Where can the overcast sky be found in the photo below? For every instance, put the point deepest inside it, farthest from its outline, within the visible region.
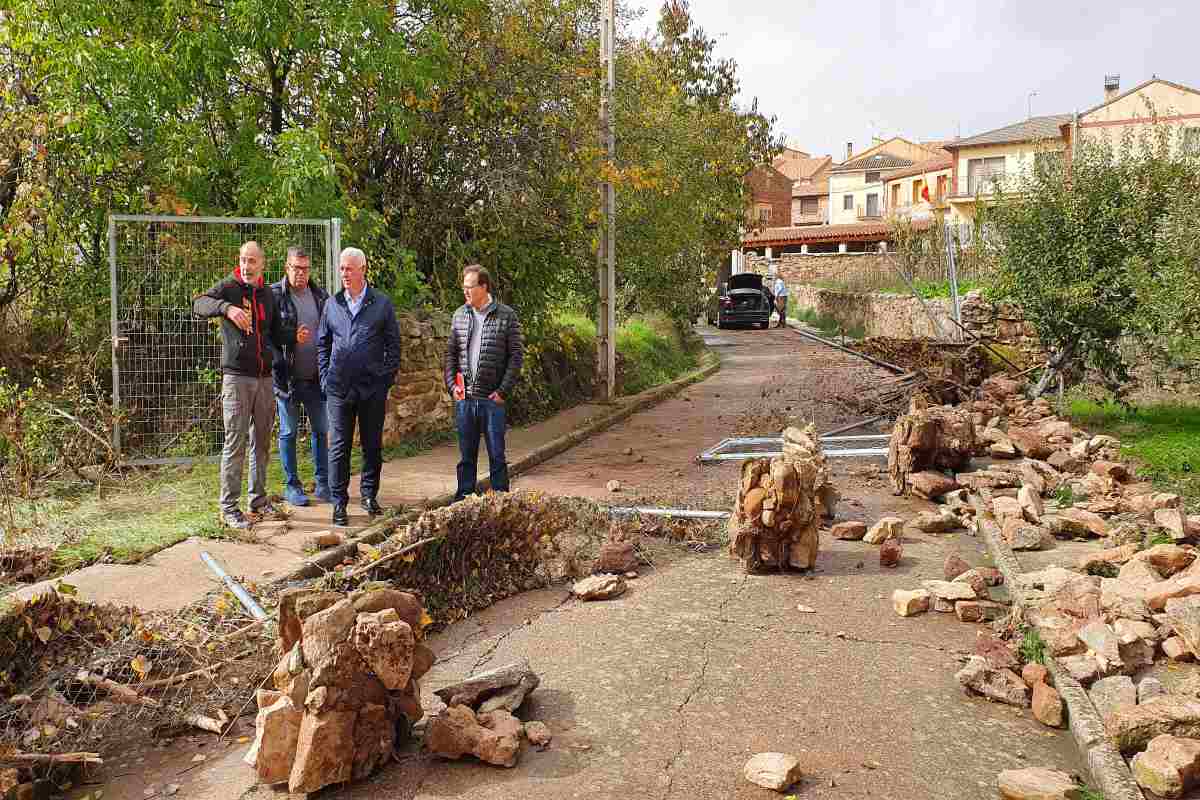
(836, 71)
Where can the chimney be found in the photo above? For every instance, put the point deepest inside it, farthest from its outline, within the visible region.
(849, 150)
(1112, 87)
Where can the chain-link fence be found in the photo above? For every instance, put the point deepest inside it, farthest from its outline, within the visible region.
(166, 364)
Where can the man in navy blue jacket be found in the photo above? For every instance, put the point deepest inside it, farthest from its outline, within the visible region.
(358, 355)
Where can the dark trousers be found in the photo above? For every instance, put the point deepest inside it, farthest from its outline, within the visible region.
(781, 302)
(475, 418)
(343, 413)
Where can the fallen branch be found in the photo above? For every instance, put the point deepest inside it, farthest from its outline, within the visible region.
(163, 683)
(120, 692)
(390, 556)
(37, 759)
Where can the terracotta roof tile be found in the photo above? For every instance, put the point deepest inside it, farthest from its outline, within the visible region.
(932, 165)
(856, 231)
(873, 162)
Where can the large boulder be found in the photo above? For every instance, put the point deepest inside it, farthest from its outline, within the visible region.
(1169, 766)
(1131, 727)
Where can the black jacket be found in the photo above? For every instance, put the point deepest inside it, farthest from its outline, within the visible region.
(501, 351)
(250, 354)
(358, 356)
(285, 357)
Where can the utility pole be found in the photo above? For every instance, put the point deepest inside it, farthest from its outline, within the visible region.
(606, 265)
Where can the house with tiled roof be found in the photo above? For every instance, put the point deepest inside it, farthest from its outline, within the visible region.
(1151, 103)
(856, 185)
(919, 191)
(770, 197)
(996, 160)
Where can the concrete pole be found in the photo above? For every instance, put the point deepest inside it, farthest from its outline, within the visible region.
(606, 268)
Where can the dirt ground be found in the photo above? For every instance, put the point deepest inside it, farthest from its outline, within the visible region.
(668, 690)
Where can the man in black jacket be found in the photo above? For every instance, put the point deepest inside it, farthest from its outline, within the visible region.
(486, 349)
(358, 355)
(300, 302)
(250, 328)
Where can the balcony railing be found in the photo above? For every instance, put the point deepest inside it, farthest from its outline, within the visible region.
(978, 185)
(816, 218)
(862, 212)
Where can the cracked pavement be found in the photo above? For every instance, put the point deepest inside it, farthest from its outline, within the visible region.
(667, 691)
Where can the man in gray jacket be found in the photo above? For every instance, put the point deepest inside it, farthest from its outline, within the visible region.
(483, 362)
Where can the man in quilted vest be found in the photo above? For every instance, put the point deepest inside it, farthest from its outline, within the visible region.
(483, 362)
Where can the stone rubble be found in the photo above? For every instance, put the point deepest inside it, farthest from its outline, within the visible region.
(347, 680)
(479, 718)
(780, 504)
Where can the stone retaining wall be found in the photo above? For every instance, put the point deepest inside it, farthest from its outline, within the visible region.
(419, 403)
(892, 315)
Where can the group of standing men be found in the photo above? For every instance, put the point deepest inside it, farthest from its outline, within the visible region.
(292, 344)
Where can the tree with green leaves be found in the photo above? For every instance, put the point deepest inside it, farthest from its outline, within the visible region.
(1101, 251)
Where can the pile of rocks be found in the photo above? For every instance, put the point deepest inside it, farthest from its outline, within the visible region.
(973, 594)
(937, 438)
(479, 718)
(345, 688)
(780, 504)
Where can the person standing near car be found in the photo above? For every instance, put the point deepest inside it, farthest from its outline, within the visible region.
(358, 356)
(250, 328)
(484, 355)
(781, 298)
(300, 302)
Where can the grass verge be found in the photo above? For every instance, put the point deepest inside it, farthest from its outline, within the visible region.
(651, 350)
(1163, 439)
(830, 326)
(152, 510)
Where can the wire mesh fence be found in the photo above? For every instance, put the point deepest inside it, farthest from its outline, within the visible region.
(167, 372)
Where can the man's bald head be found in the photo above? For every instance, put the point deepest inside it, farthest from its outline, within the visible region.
(251, 262)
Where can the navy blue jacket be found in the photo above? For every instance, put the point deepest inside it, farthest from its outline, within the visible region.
(285, 357)
(359, 356)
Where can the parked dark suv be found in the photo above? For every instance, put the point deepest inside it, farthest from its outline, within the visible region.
(742, 301)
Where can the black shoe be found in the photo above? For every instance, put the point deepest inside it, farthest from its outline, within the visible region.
(371, 506)
(340, 517)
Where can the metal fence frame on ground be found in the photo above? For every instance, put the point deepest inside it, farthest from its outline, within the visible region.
(166, 368)
(741, 448)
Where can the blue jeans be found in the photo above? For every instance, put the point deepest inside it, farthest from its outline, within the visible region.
(308, 393)
(475, 417)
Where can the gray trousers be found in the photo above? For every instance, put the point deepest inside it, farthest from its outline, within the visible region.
(249, 410)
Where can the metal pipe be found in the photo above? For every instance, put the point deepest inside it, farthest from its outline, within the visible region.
(241, 594)
(863, 356)
(861, 451)
(685, 513)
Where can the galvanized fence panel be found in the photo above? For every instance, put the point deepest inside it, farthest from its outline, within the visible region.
(166, 360)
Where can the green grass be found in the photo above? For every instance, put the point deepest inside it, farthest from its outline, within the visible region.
(830, 326)
(651, 351)
(156, 508)
(1033, 649)
(895, 285)
(1164, 439)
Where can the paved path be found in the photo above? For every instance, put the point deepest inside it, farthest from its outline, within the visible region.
(176, 577)
(667, 691)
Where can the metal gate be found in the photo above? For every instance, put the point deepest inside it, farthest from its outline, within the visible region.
(166, 360)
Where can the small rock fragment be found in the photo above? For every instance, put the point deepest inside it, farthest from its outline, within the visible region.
(909, 603)
(775, 771)
(1037, 783)
(599, 587)
(849, 531)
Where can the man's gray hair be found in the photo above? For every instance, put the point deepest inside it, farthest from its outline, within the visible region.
(354, 254)
(296, 251)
